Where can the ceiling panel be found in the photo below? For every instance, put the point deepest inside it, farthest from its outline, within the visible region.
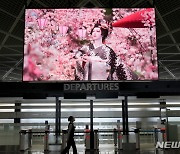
(35, 4)
(19, 29)
(55, 4)
(6, 58)
(177, 36)
(165, 75)
(174, 64)
(144, 4)
(13, 41)
(17, 71)
(172, 20)
(165, 6)
(2, 38)
(17, 48)
(120, 3)
(8, 51)
(161, 30)
(161, 48)
(12, 6)
(164, 40)
(170, 57)
(168, 50)
(6, 21)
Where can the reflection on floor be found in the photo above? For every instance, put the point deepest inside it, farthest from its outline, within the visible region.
(9, 141)
(15, 150)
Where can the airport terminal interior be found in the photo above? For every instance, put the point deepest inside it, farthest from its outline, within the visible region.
(126, 123)
(144, 114)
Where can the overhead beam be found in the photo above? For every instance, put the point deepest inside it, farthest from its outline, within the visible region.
(83, 3)
(176, 9)
(12, 69)
(7, 66)
(173, 63)
(168, 33)
(10, 14)
(13, 78)
(164, 48)
(137, 3)
(97, 3)
(166, 27)
(9, 58)
(12, 46)
(41, 3)
(171, 36)
(177, 60)
(167, 70)
(169, 53)
(10, 55)
(9, 34)
(14, 50)
(168, 44)
(8, 61)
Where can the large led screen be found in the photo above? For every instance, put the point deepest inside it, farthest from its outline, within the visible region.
(90, 44)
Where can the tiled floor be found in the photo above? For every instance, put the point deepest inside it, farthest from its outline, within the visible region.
(15, 150)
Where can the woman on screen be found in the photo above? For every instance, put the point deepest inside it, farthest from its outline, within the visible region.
(99, 62)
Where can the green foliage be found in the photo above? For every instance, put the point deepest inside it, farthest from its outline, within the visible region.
(108, 11)
(82, 42)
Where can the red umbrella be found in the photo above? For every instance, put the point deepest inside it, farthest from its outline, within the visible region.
(134, 20)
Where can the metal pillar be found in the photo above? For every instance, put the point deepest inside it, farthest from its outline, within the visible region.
(125, 118)
(64, 139)
(91, 126)
(136, 131)
(58, 118)
(17, 110)
(23, 140)
(46, 141)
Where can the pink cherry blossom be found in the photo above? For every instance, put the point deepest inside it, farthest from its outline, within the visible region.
(49, 51)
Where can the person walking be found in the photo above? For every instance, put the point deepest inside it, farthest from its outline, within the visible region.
(70, 137)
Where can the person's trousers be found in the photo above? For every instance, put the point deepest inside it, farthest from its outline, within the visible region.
(70, 143)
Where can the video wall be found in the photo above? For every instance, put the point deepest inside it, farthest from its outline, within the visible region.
(90, 44)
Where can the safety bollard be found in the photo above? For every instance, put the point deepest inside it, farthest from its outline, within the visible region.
(96, 140)
(163, 133)
(137, 138)
(64, 139)
(87, 139)
(155, 135)
(115, 139)
(120, 140)
(23, 142)
(29, 138)
(46, 141)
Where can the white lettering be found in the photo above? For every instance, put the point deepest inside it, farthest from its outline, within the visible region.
(160, 145)
(73, 87)
(116, 85)
(106, 86)
(168, 145)
(91, 86)
(78, 86)
(66, 86)
(83, 87)
(175, 145)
